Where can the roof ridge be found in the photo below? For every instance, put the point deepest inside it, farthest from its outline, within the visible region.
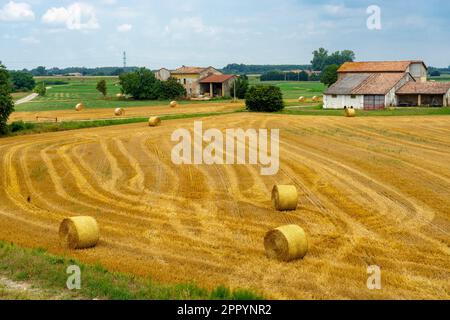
(370, 77)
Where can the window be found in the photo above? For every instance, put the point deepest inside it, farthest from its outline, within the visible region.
(184, 80)
(334, 95)
(353, 96)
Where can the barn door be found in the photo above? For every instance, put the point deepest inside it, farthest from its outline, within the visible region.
(373, 102)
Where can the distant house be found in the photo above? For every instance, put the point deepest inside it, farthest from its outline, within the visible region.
(200, 81)
(75, 74)
(162, 74)
(377, 85)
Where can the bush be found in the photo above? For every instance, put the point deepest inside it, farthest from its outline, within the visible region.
(20, 126)
(264, 99)
(22, 81)
(6, 101)
(171, 89)
(41, 89)
(141, 84)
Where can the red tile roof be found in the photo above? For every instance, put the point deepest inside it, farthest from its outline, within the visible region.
(377, 66)
(425, 88)
(217, 78)
(189, 70)
(379, 83)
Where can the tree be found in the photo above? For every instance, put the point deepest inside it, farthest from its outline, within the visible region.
(263, 98)
(329, 75)
(241, 84)
(39, 71)
(171, 89)
(319, 59)
(41, 89)
(140, 84)
(101, 87)
(6, 101)
(435, 73)
(22, 81)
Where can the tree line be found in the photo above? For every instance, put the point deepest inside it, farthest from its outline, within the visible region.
(42, 71)
(235, 68)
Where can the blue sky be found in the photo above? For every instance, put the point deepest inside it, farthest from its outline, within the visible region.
(171, 33)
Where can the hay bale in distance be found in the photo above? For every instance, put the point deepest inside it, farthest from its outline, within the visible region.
(119, 111)
(301, 99)
(285, 197)
(79, 107)
(79, 233)
(316, 99)
(173, 104)
(286, 243)
(350, 112)
(154, 121)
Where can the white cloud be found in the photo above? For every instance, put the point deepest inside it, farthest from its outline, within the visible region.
(77, 16)
(180, 27)
(16, 11)
(109, 2)
(124, 27)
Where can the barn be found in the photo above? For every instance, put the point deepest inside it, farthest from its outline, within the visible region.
(367, 91)
(377, 85)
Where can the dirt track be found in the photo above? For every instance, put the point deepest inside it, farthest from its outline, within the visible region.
(374, 191)
(133, 112)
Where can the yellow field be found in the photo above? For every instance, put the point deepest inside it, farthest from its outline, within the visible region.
(373, 191)
(132, 112)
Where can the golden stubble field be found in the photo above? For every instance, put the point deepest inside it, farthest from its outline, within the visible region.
(131, 112)
(373, 191)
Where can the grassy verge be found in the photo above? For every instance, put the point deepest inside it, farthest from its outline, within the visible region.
(318, 111)
(25, 128)
(47, 273)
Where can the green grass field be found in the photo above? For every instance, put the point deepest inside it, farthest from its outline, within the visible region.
(442, 78)
(67, 96)
(292, 89)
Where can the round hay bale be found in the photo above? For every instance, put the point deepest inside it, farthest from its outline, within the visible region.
(173, 104)
(79, 107)
(154, 121)
(285, 197)
(350, 112)
(301, 99)
(79, 233)
(119, 95)
(316, 99)
(119, 111)
(286, 243)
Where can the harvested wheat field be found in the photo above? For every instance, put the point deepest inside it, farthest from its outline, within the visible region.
(132, 112)
(372, 191)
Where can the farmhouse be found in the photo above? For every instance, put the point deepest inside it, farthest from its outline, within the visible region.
(376, 85)
(200, 81)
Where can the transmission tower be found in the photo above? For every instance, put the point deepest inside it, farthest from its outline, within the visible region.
(124, 60)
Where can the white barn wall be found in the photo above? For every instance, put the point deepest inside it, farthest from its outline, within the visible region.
(343, 100)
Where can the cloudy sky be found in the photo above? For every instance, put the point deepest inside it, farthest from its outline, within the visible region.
(169, 33)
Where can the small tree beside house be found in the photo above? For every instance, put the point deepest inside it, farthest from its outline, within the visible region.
(101, 87)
